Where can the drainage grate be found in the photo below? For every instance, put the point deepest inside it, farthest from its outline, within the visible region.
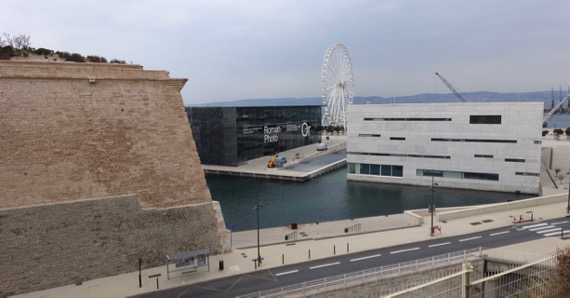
(475, 223)
(487, 220)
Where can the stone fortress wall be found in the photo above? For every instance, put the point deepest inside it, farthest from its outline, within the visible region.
(97, 168)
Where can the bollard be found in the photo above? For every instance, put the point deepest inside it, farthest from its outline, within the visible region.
(334, 250)
(309, 254)
(347, 247)
(283, 259)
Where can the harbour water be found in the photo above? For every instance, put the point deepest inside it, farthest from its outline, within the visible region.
(559, 121)
(327, 198)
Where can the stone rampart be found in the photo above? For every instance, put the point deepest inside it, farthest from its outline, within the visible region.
(65, 137)
(52, 245)
(75, 132)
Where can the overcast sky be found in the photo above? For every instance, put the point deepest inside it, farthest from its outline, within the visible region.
(249, 49)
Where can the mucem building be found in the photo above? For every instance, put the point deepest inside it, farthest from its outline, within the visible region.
(231, 136)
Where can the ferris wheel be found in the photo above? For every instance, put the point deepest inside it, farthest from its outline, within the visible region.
(337, 85)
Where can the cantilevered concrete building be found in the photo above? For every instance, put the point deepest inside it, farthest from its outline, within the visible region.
(484, 146)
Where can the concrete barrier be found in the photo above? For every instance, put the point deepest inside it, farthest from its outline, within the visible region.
(486, 209)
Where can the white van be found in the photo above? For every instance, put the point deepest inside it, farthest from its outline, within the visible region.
(322, 147)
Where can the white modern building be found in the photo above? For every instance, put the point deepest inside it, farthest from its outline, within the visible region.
(485, 146)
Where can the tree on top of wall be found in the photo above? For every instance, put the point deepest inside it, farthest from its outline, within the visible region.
(20, 46)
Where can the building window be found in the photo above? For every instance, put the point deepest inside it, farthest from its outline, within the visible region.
(473, 140)
(397, 138)
(368, 135)
(527, 174)
(514, 160)
(457, 175)
(435, 173)
(483, 156)
(485, 119)
(398, 171)
(401, 155)
(481, 176)
(406, 119)
(376, 170)
(351, 168)
(386, 171)
(364, 168)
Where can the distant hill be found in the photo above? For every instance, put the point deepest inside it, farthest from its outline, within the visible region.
(480, 96)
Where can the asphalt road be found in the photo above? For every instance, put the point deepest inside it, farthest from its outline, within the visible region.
(294, 274)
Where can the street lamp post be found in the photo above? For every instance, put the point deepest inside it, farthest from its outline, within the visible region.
(568, 206)
(259, 205)
(432, 206)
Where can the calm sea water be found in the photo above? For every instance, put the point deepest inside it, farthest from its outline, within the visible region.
(328, 197)
(559, 121)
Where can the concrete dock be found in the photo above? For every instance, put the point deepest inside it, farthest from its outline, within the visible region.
(303, 163)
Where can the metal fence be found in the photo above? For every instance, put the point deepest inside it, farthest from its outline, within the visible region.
(530, 275)
(349, 279)
(535, 279)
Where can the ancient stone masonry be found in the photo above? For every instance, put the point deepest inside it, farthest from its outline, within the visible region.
(71, 133)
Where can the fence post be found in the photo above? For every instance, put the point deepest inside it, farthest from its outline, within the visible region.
(465, 282)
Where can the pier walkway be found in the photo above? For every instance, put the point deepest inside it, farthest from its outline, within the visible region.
(303, 163)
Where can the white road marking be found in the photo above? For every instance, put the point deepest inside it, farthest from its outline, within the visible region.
(541, 228)
(499, 233)
(286, 272)
(559, 222)
(472, 238)
(532, 226)
(440, 244)
(555, 233)
(365, 258)
(404, 250)
(549, 230)
(324, 265)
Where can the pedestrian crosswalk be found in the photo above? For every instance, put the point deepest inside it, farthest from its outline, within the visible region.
(548, 229)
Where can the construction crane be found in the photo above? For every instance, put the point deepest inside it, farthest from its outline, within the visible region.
(462, 96)
(553, 110)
